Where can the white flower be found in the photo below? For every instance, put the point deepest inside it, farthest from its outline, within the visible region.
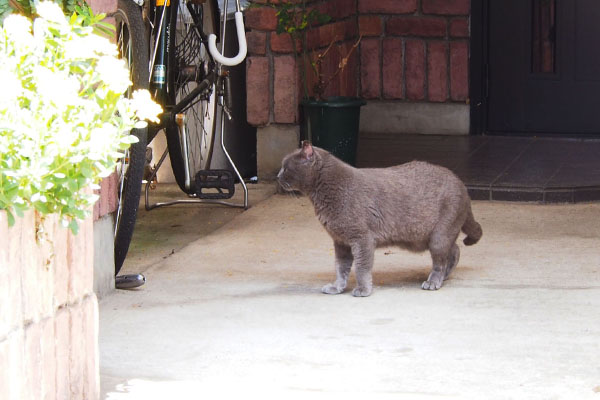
(40, 30)
(82, 47)
(102, 137)
(51, 12)
(18, 29)
(11, 87)
(144, 107)
(64, 136)
(114, 73)
(78, 48)
(57, 87)
(62, 108)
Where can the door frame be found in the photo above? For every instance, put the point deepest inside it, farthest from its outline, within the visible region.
(478, 66)
(478, 74)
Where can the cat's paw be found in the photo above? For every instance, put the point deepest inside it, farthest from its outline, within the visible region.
(362, 291)
(431, 285)
(330, 288)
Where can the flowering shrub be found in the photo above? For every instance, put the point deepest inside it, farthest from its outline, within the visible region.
(64, 119)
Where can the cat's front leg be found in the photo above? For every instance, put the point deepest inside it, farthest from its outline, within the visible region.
(343, 264)
(364, 254)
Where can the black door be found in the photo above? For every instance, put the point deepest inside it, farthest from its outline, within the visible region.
(543, 67)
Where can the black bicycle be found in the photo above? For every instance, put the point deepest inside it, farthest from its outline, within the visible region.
(170, 47)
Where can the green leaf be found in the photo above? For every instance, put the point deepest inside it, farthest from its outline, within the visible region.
(72, 185)
(10, 217)
(42, 207)
(19, 209)
(11, 191)
(74, 226)
(86, 171)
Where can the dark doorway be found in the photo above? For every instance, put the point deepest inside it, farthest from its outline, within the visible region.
(540, 67)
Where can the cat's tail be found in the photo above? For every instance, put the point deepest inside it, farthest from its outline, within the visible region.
(472, 230)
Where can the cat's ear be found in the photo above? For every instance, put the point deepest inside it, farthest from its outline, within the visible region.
(307, 150)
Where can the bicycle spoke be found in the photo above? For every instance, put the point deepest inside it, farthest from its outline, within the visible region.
(192, 62)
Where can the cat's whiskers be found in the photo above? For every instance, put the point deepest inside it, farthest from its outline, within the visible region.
(293, 193)
(287, 188)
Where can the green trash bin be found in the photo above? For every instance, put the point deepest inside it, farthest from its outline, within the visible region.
(333, 125)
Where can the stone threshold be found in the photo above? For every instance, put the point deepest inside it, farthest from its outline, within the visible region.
(501, 168)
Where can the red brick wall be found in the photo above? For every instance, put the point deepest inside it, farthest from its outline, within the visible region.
(411, 50)
(108, 197)
(414, 50)
(48, 311)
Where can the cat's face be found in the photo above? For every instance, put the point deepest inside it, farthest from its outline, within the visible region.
(297, 170)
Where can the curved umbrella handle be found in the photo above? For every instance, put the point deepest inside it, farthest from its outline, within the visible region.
(241, 34)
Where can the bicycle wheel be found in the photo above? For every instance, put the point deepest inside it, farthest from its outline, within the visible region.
(189, 64)
(133, 48)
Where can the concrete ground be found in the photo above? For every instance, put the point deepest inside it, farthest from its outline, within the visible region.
(163, 231)
(239, 312)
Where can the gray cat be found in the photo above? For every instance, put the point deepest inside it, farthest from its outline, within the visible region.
(416, 206)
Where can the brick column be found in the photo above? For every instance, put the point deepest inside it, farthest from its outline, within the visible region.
(271, 81)
(274, 88)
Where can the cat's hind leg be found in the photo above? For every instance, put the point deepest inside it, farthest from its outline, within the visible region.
(343, 264)
(441, 247)
(452, 260)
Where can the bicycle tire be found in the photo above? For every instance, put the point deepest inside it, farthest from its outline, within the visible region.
(133, 47)
(200, 116)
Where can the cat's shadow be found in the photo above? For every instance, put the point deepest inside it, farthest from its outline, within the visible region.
(387, 278)
(395, 278)
(400, 278)
(411, 276)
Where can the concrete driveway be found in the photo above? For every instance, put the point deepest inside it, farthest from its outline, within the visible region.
(239, 313)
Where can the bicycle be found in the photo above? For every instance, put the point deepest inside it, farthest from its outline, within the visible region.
(170, 49)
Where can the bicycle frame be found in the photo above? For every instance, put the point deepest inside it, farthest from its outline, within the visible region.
(159, 68)
(160, 76)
